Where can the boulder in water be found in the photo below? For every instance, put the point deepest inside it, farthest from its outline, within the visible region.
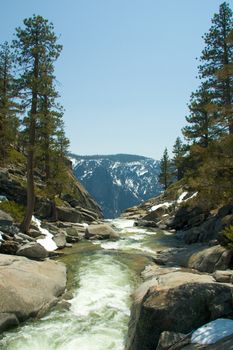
(28, 286)
(101, 231)
(33, 250)
(175, 301)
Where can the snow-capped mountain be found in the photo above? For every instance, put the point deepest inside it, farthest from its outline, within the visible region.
(117, 181)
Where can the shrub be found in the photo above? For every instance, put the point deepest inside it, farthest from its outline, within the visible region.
(227, 235)
(16, 210)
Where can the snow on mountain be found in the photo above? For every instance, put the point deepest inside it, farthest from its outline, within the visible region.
(117, 181)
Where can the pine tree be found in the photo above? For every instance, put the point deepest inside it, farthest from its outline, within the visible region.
(165, 176)
(216, 59)
(35, 46)
(203, 120)
(9, 109)
(179, 151)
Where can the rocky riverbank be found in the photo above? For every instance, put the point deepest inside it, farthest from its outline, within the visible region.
(30, 283)
(186, 287)
(28, 288)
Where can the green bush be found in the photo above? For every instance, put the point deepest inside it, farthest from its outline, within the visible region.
(16, 210)
(16, 157)
(227, 235)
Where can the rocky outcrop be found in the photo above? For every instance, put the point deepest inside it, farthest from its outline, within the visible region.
(13, 186)
(175, 301)
(33, 250)
(197, 256)
(211, 259)
(28, 287)
(102, 231)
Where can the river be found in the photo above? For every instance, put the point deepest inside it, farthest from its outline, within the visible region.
(101, 276)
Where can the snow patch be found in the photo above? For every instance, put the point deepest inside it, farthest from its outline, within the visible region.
(165, 204)
(193, 195)
(213, 331)
(181, 197)
(47, 242)
(74, 162)
(117, 182)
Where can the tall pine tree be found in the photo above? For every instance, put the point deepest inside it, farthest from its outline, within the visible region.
(35, 46)
(203, 121)
(215, 60)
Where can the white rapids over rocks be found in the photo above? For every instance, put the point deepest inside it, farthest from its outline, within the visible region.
(99, 312)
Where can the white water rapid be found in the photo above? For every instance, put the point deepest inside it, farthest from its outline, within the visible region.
(102, 276)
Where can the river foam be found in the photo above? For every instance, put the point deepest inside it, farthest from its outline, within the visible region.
(97, 318)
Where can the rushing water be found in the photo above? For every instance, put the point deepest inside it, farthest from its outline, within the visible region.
(102, 275)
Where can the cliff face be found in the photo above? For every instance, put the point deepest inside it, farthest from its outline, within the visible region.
(75, 198)
(118, 181)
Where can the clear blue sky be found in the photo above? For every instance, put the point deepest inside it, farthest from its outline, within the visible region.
(127, 67)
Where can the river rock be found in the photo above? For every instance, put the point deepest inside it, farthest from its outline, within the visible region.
(33, 250)
(34, 233)
(223, 276)
(156, 215)
(223, 344)
(68, 214)
(9, 247)
(28, 286)
(101, 231)
(7, 321)
(172, 340)
(196, 256)
(211, 259)
(175, 301)
(60, 240)
(145, 223)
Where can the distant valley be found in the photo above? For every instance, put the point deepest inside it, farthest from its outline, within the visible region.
(117, 181)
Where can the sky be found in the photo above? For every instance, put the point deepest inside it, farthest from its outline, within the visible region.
(127, 68)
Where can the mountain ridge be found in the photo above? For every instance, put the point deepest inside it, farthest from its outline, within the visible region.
(117, 181)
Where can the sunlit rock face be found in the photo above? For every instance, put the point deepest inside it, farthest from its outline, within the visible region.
(118, 181)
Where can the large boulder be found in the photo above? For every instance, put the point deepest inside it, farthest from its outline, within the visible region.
(175, 301)
(187, 217)
(101, 231)
(68, 214)
(211, 259)
(60, 240)
(157, 214)
(27, 287)
(33, 250)
(196, 256)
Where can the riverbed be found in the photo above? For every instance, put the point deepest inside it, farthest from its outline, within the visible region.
(102, 275)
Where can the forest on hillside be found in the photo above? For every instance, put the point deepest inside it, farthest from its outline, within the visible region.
(204, 160)
(31, 118)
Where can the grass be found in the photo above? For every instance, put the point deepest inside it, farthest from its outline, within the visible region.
(17, 211)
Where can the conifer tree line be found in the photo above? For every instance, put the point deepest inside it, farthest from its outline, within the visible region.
(31, 119)
(205, 158)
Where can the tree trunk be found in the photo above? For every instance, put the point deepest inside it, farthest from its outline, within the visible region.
(30, 170)
(31, 152)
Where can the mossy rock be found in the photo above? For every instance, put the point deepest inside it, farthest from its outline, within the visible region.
(17, 211)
